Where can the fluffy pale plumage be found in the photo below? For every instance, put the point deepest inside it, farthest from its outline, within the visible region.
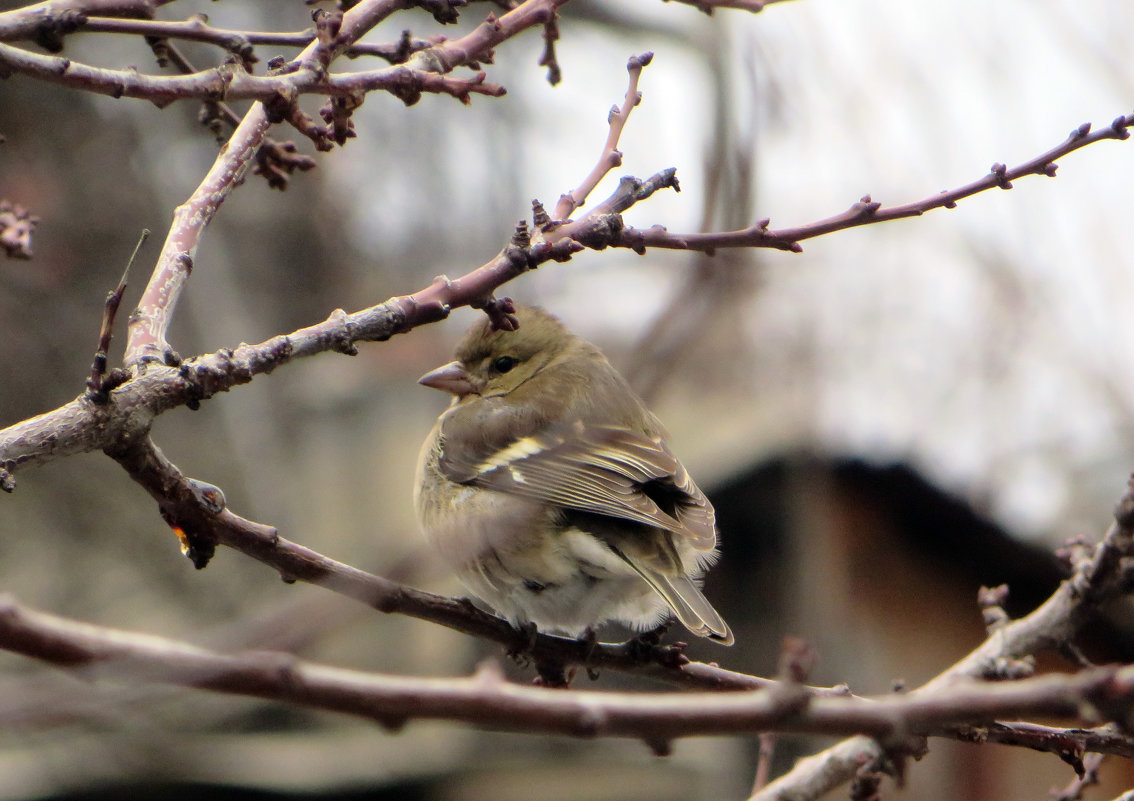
(549, 488)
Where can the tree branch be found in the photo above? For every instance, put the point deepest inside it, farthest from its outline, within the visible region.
(1098, 576)
(867, 211)
(487, 700)
(231, 82)
(38, 20)
(611, 157)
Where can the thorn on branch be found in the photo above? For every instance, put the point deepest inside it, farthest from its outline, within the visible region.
(100, 385)
(1072, 653)
(639, 61)
(1086, 773)
(991, 601)
(501, 313)
(276, 161)
(548, 58)
(797, 660)
(1076, 552)
(16, 226)
(540, 218)
(443, 11)
(327, 26)
(865, 207)
(867, 780)
(337, 113)
(159, 45)
(1005, 669)
(1000, 174)
(211, 116)
(1124, 511)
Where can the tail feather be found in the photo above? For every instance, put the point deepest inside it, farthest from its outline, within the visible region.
(693, 608)
(688, 603)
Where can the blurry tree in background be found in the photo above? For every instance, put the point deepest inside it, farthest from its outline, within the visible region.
(987, 345)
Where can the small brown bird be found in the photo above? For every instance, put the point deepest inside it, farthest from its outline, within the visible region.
(548, 486)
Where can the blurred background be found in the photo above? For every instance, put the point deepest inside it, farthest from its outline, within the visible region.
(889, 419)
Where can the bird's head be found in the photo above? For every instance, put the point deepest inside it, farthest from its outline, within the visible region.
(495, 362)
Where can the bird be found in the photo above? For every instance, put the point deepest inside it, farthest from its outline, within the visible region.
(550, 490)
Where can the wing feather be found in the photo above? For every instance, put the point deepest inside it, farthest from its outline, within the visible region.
(606, 470)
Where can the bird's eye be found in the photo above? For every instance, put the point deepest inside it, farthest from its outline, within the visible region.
(504, 364)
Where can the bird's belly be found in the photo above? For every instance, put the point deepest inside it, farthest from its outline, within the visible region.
(515, 557)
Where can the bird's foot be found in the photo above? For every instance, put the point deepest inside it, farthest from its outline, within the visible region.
(647, 647)
(526, 635)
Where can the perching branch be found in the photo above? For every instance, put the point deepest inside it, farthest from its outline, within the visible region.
(487, 700)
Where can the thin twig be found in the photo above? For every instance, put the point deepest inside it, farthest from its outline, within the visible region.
(611, 157)
(98, 388)
(231, 82)
(767, 741)
(867, 211)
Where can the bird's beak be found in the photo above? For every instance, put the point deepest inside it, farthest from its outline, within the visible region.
(449, 377)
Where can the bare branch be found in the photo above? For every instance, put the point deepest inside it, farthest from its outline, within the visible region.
(231, 82)
(611, 157)
(238, 42)
(867, 211)
(1068, 744)
(147, 334)
(1096, 578)
(487, 700)
(40, 20)
(477, 44)
(99, 385)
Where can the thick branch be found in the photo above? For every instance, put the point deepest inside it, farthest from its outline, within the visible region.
(487, 700)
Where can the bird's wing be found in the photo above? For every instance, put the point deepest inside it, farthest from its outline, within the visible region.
(606, 470)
